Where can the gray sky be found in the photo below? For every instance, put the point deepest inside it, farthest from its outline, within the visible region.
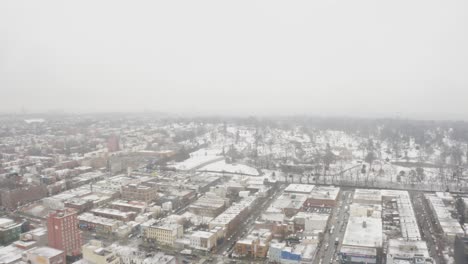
(365, 58)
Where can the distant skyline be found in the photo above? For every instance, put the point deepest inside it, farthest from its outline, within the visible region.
(405, 59)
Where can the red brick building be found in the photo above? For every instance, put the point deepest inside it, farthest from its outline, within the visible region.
(113, 143)
(63, 232)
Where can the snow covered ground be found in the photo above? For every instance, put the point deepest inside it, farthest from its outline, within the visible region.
(221, 166)
(199, 158)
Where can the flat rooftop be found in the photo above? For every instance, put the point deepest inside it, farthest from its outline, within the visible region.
(368, 196)
(364, 232)
(45, 251)
(299, 188)
(356, 250)
(90, 218)
(202, 234)
(5, 222)
(10, 254)
(290, 200)
(400, 248)
(325, 193)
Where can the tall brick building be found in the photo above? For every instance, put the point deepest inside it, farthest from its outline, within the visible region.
(113, 143)
(63, 232)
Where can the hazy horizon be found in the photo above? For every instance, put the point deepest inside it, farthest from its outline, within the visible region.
(360, 58)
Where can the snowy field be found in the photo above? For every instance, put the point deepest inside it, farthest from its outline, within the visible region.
(221, 166)
(199, 158)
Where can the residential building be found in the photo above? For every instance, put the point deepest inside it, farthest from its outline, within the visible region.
(208, 206)
(140, 192)
(114, 214)
(63, 231)
(129, 206)
(101, 225)
(232, 217)
(44, 255)
(450, 226)
(164, 233)
(255, 245)
(399, 250)
(95, 253)
(323, 196)
(131, 255)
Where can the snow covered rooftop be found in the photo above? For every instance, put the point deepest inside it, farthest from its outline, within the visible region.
(325, 193)
(363, 232)
(400, 248)
(47, 252)
(367, 196)
(299, 188)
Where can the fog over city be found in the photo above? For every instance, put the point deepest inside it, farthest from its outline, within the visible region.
(355, 58)
(250, 132)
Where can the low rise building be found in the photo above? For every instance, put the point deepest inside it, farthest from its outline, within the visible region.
(404, 251)
(356, 254)
(9, 231)
(203, 240)
(299, 188)
(323, 196)
(255, 245)
(44, 255)
(365, 210)
(449, 225)
(210, 206)
(289, 203)
(101, 225)
(403, 215)
(131, 255)
(164, 233)
(95, 253)
(140, 192)
(129, 206)
(80, 205)
(367, 196)
(363, 239)
(34, 238)
(304, 253)
(114, 214)
(11, 254)
(311, 223)
(230, 219)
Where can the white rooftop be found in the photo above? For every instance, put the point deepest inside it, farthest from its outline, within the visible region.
(202, 234)
(45, 251)
(364, 232)
(299, 188)
(325, 193)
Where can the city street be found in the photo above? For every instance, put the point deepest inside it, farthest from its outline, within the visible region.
(339, 217)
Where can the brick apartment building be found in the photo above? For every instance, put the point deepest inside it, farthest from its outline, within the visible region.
(63, 232)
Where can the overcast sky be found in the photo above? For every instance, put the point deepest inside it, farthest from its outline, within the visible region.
(366, 58)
